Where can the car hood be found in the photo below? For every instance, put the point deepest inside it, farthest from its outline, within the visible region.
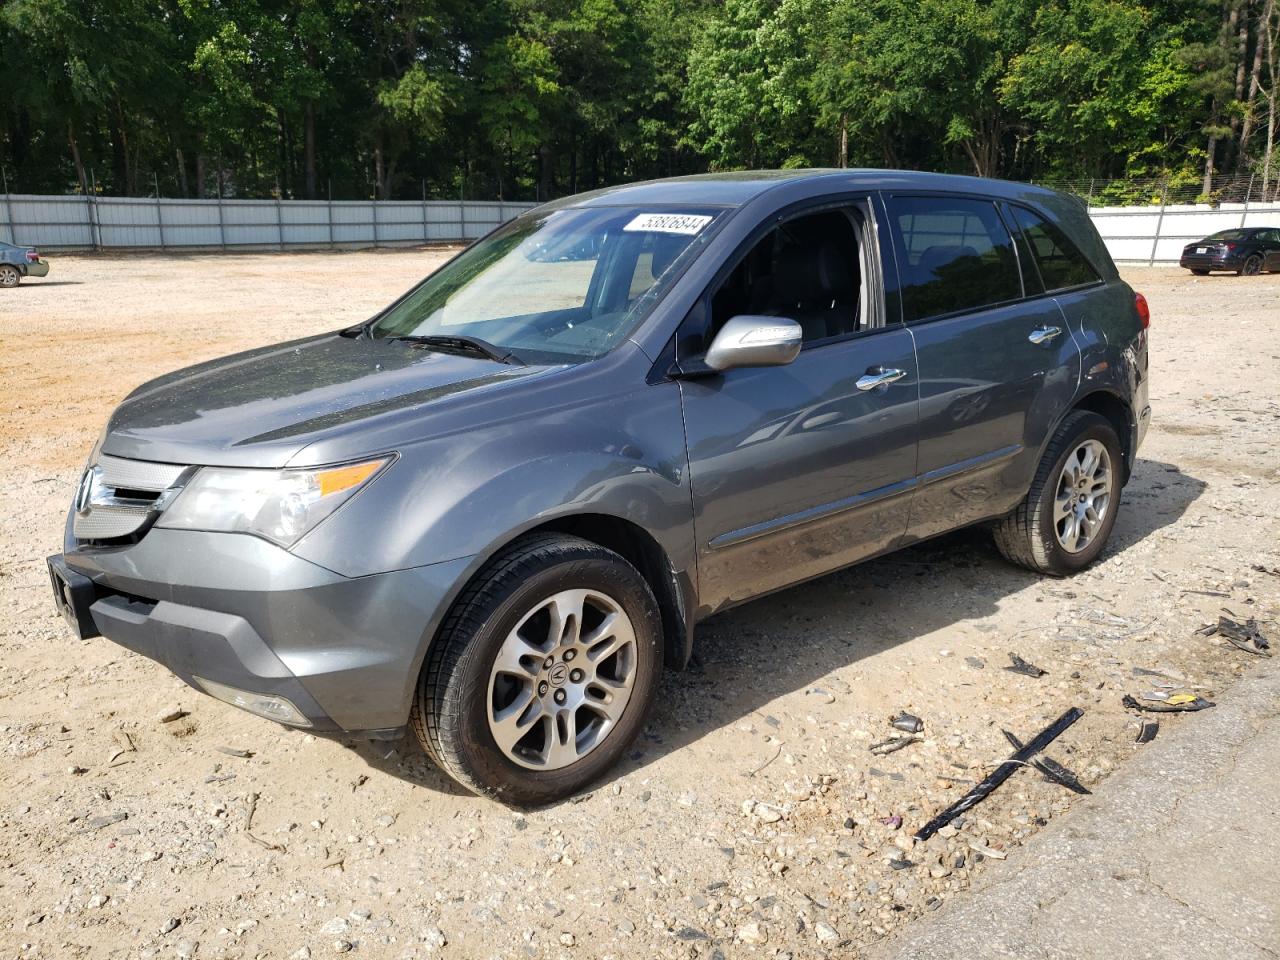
(264, 407)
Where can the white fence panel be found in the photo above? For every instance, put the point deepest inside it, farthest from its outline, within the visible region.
(1158, 234)
(145, 222)
(1151, 234)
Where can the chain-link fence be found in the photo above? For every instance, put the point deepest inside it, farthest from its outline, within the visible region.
(1170, 191)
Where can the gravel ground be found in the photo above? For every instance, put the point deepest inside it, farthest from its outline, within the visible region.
(752, 819)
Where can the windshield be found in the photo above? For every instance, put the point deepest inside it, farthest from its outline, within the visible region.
(554, 287)
(1229, 235)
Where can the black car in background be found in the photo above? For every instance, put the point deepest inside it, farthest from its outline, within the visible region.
(1247, 250)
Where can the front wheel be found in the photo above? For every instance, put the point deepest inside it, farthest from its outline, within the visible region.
(1066, 517)
(9, 275)
(543, 672)
(1252, 266)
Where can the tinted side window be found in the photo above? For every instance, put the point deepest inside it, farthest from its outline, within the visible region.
(1061, 264)
(808, 269)
(953, 254)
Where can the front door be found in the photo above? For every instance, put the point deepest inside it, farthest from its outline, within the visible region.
(800, 469)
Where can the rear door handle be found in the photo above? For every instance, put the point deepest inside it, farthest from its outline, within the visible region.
(1043, 334)
(879, 377)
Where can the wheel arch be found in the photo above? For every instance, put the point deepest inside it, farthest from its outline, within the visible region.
(673, 589)
(1119, 413)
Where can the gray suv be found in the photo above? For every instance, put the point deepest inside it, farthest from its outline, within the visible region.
(497, 510)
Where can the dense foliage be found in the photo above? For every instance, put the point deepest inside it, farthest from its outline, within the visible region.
(524, 99)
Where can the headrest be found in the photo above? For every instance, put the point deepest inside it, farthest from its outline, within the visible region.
(940, 255)
(665, 250)
(802, 273)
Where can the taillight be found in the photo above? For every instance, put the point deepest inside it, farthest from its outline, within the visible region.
(1228, 247)
(1144, 311)
(32, 256)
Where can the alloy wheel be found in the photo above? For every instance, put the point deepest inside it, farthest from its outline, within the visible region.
(8, 276)
(1084, 496)
(562, 679)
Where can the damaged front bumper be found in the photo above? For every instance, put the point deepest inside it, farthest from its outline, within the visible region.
(256, 626)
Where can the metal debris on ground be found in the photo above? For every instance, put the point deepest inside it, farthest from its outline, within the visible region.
(1177, 703)
(908, 723)
(1018, 665)
(235, 752)
(1147, 730)
(1000, 774)
(893, 745)
(1243, 636)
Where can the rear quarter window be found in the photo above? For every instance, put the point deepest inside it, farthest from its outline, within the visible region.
(954, 254)
(1060, 262)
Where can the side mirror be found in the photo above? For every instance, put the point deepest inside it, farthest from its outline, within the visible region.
(751, 341)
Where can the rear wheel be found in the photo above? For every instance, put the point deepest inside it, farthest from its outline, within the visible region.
(1252, 266)
(9, 275)
(543, 672)
(1068, 514)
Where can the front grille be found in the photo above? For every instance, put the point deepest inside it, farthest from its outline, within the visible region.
(116, 497)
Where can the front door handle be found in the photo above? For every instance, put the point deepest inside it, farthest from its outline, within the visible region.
(1043, 334)
(879, 377)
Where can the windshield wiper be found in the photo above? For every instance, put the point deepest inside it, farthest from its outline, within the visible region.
(462, 344)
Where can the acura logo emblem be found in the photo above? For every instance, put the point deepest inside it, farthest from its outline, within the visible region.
(88, 487)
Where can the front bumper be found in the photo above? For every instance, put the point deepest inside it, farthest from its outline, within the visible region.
(242, 612)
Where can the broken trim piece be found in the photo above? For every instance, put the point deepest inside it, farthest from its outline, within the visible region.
(1000, 774)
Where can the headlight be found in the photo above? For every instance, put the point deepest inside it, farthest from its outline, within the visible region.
(280, 505)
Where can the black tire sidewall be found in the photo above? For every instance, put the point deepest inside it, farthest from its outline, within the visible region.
(482, 759)
(1059, 559)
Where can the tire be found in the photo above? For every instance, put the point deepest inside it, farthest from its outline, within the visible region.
(9, 275)
(464, 692)
(1201, 273)
(1251, 267)
(1033, 535)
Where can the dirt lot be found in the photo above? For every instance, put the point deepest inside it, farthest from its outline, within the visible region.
(752, 820)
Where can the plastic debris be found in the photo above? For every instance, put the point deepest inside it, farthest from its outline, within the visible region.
(1177, 703)
(1057, 773)
(907, 722)
(1000, 774)
(1147, 731)
(894, 745)
(1243, 636)
(1053, 771)
(1018, 665)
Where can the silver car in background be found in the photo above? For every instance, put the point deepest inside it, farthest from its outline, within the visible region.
(18, 262)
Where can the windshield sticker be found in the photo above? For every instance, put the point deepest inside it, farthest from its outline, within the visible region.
(686, 223)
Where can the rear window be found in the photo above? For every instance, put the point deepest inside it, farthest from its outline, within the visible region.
(1060, 262)
(954, 254)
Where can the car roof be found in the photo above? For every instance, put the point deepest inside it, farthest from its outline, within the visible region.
(736, 188)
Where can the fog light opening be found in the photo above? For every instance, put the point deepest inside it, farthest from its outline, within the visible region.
(261, 704)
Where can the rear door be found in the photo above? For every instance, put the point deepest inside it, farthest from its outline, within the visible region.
(995, 365)
(1271, 249)
(800, 469)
